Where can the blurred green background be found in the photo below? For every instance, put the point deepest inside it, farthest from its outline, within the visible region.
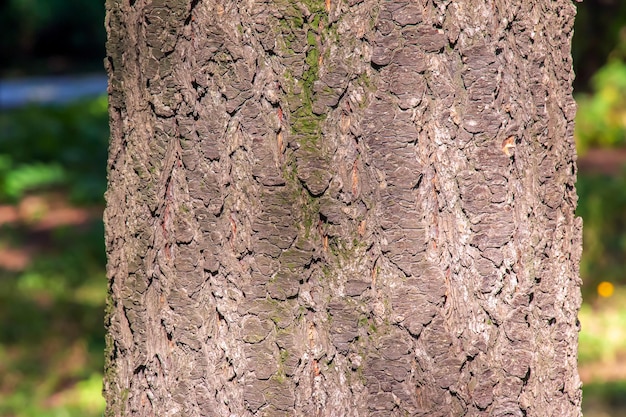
(52, 178)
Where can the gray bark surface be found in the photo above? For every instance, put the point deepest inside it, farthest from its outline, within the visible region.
(341, 208)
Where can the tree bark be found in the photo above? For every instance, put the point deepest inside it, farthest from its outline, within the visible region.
(341, 208)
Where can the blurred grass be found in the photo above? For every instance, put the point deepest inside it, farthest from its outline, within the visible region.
(603, 332)
(51, 314)
(604, 399)
(602, 205)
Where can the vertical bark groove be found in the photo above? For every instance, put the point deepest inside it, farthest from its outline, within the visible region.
(341, 208)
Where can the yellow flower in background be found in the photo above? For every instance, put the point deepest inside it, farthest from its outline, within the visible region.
(605, 289)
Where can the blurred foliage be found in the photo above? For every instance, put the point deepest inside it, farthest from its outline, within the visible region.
(51, 36)
(598, 37)
(61, 146)
(52, 311)
(51, 315)
(603, 334)
(604, 399)
(601, 123)
(601, 118)
(601, 354)
(19, 180)
(602, 205)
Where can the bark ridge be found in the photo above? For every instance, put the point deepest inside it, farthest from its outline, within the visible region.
(341, 208)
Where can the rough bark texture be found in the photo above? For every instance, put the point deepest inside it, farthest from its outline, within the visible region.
(342, 208)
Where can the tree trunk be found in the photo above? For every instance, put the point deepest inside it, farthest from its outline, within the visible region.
(341, 208)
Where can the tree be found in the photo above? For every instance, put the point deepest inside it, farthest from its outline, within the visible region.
(341, 208)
